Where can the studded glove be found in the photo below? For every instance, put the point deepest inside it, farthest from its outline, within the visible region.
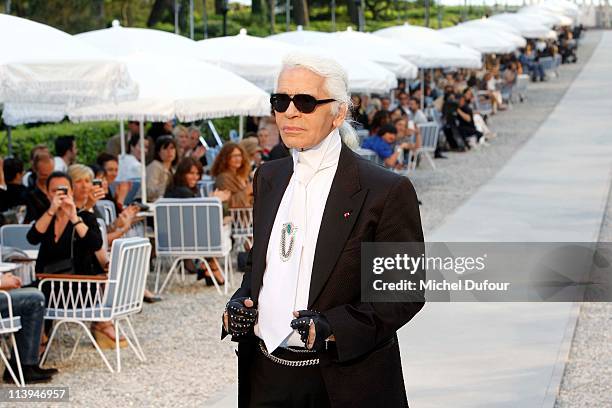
(241, 318)
(322, 330)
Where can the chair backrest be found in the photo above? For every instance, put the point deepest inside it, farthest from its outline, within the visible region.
(206, 187)
(522, 82)
(102, 225)
(134, 191)
(14, 236)
(362, 134)
(189, 226)
(242, 221)
(429, 135)
(369, 155)
(547, 63)
(107, 210)
(127, 275)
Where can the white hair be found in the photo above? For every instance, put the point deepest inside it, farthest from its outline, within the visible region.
(336, 84)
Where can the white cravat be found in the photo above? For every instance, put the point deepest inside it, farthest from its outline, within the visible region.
(286, 282)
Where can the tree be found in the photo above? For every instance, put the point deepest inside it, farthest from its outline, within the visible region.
(300, 12)
(159, 11)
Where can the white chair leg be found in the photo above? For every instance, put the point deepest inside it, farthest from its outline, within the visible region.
(158, 263)
(117, 345)
(95, 343)
(17, 359)
(212, 275)
(430, 160)
(18, 381)
(136, 346)
(170, 272)
(53, 333)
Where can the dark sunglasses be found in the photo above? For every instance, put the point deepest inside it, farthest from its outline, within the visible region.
(302, 102)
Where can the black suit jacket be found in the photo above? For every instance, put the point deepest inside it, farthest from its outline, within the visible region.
(365, 370)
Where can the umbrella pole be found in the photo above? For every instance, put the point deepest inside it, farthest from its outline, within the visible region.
(422, 88)
(241, 127)
(143, 165)
(122, 136)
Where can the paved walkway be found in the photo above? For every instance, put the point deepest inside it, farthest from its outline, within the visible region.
(554, 189)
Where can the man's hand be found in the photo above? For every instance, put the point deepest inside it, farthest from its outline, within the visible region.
(240, 316)
(313, 327)
(9, 281)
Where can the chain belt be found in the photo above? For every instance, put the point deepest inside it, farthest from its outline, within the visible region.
(289, 363)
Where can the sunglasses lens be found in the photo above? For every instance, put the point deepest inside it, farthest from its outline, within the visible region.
(305, 103)
(280, 102)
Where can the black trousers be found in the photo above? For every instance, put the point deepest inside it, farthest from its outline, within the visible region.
(274, 385)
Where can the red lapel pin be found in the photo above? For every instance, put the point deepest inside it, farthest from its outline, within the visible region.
(347, 214)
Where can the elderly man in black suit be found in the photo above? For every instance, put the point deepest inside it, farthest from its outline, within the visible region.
(305, 338)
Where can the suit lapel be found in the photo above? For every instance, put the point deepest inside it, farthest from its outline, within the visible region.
(341, 211)
(270, 196)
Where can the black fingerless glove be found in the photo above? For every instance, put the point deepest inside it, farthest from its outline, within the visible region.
(322, 328)
(241, 319)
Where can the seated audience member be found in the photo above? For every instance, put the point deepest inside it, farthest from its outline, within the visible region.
(415, 114)
(407, 134)
(185, 185)
(358, 112)
(65, 152)
(110, 165)
(12, 192)
(69, 240)
(113, 146)
(403, 99)
(465, 123)
(181, 137)
(396, 114)
(37, 200)
(29, 179)
(385, 104)
(231, 170)
(196, 149)
(383, 145)
(185, 181)
(160, 171)
(380, 119)
(159, 129)
(265, 142)
(129, 165)
(29, 305)
(251, 146)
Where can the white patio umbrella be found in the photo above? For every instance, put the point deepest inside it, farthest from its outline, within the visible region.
(483, 39)
(429, 48)
(546, 16)
(39, 63)
(255, 59)
(121, 41)
(529, 26)
(492, 24)
(189, 91)
(349, 45)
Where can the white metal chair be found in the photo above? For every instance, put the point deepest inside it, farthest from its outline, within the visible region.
(522, 81)
(80, 299)
(242, 226)
(9, 325)
(429, 142)
(107, 210)
(206, 186)
(369, 155)
(14, 236)
(191, 229)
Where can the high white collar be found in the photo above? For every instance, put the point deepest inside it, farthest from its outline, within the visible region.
(321, 156)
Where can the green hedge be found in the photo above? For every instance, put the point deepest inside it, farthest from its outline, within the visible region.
(91, 137)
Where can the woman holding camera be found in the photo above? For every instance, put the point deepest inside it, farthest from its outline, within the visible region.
(69, 239)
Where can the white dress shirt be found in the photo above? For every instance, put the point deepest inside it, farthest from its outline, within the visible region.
(325, 157)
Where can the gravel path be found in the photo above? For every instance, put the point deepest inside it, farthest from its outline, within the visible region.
(187, 363)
